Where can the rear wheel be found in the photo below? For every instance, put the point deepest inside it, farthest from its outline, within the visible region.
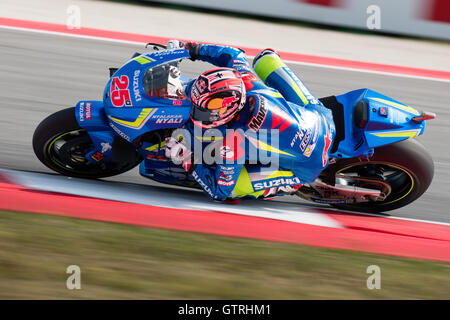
(61, 144)
(405, 166)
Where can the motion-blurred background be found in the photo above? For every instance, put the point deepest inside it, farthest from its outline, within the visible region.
(427, 18)
(397, 47)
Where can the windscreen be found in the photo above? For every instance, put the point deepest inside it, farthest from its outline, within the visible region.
(163, 81)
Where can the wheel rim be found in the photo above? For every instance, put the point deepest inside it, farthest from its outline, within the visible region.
(400, 180)
(67, 152)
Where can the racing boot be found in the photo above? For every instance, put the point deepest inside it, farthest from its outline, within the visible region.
(281, 191)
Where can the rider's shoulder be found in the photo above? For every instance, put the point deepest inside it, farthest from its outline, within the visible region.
(264, 91)
(254, 100)
(257, 110)
(263, 97)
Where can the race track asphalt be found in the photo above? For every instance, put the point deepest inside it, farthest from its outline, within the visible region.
(42, 73)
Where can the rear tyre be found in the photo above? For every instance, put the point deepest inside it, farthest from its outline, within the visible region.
(406, 166)
(61, 144)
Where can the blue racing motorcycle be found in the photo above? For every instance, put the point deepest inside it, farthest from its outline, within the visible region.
(374, 166)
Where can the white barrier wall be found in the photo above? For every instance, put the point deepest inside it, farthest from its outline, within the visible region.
(426, 18)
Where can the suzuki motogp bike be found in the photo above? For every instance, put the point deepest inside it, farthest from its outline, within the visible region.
(374, 166)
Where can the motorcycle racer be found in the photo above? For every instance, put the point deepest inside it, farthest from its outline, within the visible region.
(278, 137)
(240, 109)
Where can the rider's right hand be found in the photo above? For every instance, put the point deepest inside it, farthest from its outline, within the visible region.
(194, 49)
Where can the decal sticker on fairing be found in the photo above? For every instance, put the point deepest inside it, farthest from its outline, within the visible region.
(120, 95)
(277, 182)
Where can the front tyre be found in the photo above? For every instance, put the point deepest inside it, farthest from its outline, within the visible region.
(61, 144)
(406, 166)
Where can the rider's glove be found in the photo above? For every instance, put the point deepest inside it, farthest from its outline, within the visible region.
(177, 152)
(194, 49)
(175, 44)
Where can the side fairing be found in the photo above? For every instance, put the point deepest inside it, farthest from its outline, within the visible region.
(389, 120)
(133, 122)
(91, 117)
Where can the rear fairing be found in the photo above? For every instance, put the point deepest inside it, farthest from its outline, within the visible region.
(384, 121)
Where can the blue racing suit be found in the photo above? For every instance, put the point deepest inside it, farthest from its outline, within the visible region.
(282, 136)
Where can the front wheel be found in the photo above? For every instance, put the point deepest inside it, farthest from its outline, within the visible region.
(405, 166)
(61, 144)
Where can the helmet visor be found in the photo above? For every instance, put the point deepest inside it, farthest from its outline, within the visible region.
(203, 115)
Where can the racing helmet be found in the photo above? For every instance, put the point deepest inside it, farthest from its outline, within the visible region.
(217, 96)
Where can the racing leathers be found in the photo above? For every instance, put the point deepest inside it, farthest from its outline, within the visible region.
(280, 140)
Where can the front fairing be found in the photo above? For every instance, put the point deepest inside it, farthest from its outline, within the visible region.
(130, 110)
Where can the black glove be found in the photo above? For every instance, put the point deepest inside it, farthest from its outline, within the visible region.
(194, 49)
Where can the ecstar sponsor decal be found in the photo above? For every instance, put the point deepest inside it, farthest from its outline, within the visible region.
(120, 133)
(312, 144)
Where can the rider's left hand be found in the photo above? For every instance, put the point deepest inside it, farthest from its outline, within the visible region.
(177, 152)
(194, 49)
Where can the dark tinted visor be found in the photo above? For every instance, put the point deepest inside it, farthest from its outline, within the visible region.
(204, 115)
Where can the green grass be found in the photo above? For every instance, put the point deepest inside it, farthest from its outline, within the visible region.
(128, 262)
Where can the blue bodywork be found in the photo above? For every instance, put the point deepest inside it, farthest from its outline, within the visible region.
(389, 121)
(134, 113)
(107, 121)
